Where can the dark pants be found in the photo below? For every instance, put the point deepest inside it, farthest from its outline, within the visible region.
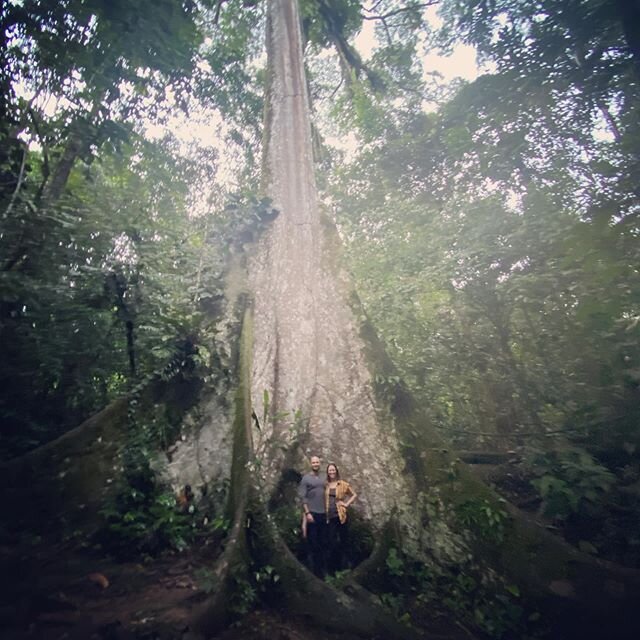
(316, 538)
(336, 544)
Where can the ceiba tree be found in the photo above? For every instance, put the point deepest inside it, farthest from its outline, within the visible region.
(307, 350)
(307, 357)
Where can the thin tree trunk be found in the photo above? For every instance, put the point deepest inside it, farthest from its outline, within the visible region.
(14, 195)
(629, 12)
(58, 181)
(131, 350)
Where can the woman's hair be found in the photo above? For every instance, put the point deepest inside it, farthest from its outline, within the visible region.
(332, 464)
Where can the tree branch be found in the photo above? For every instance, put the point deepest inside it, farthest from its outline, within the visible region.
(395, 12)
(373, 7)
(387, 32)
(216, 17)
(333, 93)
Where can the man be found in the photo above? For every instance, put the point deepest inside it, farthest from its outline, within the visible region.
(311, 492)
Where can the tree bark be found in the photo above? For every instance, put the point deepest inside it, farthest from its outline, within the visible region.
(307, 350)
(299, 592)
(57, 182)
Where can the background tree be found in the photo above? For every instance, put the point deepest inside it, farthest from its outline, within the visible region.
(487, 277)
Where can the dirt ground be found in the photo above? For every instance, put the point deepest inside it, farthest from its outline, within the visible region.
(62, 592)
(56, 592)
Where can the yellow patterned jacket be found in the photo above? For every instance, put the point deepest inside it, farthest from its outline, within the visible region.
(343, 488)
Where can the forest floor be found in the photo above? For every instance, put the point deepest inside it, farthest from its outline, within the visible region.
(68, 592)
(73, 591)
(62, 592)
(53, 591)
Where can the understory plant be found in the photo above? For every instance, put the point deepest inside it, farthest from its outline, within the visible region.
(146, 519)
(569, 479)
(416, 592)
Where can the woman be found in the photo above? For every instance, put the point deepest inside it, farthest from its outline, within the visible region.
(336, 505)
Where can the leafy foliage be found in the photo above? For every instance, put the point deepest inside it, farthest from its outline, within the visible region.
(146, 523)
(412, 590)
(99, 301)
(567, 478)
(494, 243)
(484, 518)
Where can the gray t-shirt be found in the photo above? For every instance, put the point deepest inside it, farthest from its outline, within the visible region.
(311, 492)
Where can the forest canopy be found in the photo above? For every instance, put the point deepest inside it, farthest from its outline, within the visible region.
(490, 225)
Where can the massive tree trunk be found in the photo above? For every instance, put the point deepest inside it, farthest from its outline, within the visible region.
(303, 366)
(307, 352)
